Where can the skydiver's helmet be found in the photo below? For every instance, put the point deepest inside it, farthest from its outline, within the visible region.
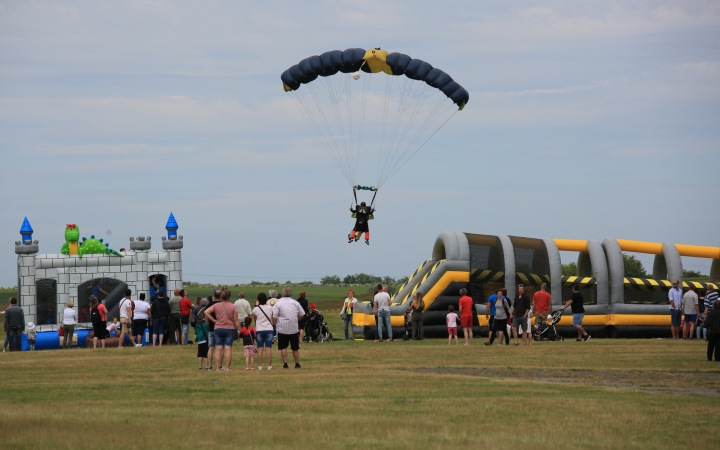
(362, 209)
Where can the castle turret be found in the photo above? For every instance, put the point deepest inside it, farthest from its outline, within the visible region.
(173, 245)
(26, 249)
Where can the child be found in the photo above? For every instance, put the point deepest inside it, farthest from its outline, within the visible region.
(201, 337)
(249, 335)
(31, 334)
(451, 321)
(113, 327)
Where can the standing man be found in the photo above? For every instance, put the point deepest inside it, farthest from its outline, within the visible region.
(382, 300)
(710, 296)
(520, 312)
(675, 297)
(243, 307)
(286, 314)
(542, 304)
(125, 318)
(467, 309)
(576, 306)
(175, 326)
(14, 325)
(691, 310)
(186, 307)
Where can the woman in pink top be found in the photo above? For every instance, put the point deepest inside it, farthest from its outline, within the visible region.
(226, 322)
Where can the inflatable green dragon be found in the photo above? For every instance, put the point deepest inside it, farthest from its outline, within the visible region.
(92, 246)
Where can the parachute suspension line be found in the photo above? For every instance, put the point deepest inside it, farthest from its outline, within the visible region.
(386, 106)
(399, 155)
(363, 105)
(310, 118)
(335, 98)
(405, 91)
(421, 146)
(327, 140)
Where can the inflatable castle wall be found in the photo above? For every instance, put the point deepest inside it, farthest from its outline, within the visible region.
(46, 282)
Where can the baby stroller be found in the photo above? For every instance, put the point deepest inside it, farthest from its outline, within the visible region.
(408, 326)
(547, 331)
(315, 327)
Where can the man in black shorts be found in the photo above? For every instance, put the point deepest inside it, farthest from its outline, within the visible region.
(286, 314)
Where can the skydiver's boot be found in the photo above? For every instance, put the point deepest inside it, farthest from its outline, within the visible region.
(351, 236)
(367, 237)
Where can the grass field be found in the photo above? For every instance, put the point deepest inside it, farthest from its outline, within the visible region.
(601, 394)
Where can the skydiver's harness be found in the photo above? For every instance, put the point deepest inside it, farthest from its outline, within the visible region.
(364, 188)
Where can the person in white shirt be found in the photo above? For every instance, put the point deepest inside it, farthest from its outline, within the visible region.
(675, 297)
(141, 315)
(69, 320)
(382, 300)
(346, 312)
(265, 329)
(125, 317)
(691, 310)
(243, 307)
(286, 313)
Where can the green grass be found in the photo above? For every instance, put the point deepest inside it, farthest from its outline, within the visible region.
(601, 394)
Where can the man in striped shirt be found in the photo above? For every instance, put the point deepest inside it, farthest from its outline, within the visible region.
(286, 313)
(710, 296)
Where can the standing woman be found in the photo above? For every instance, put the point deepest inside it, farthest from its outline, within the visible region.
(417, 307)
(99, 328)
(347, 311)
(302, 322)
(265, 329)
(69, 321)
(224, 316)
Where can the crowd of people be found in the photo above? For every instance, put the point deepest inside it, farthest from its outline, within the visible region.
(218, 321)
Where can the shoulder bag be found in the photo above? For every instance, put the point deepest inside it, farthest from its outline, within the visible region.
(266, 316)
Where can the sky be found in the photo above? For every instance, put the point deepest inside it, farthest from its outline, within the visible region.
(586, 120)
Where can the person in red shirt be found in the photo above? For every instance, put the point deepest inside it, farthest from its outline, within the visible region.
(542, 303)
(466, 315)
(186, 306)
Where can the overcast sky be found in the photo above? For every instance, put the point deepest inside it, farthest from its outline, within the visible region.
(586, 120)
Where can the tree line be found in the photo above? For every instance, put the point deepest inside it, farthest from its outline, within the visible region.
(360, 279)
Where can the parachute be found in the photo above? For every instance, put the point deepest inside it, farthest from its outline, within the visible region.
(371, 109)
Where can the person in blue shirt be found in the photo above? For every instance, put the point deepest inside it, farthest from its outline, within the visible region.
(96, 289)
(490, 316)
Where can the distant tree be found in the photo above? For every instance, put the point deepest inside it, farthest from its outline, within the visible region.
(693, 274)
(349, 279)
(402, 280)
(634, 267)
(330, 279)
(569, 269)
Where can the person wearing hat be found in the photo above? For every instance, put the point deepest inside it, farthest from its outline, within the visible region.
(69, 321)
(31, 334)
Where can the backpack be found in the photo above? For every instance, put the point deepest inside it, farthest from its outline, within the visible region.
(95, 316)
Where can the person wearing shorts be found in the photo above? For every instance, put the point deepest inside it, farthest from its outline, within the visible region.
(466, 306)
(691, 310)
(286, 314)
(675, 296)
(224, 316)
(542, 303)
(125, 318)
(520, 316)
(578, 310)
(263, 314)
(451, 322)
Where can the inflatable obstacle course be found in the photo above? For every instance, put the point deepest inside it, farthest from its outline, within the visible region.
(615, 305)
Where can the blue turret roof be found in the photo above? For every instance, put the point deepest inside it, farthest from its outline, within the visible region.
(171, 223)
(26, 228)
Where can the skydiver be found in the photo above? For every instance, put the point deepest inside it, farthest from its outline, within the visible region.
(362, 215)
